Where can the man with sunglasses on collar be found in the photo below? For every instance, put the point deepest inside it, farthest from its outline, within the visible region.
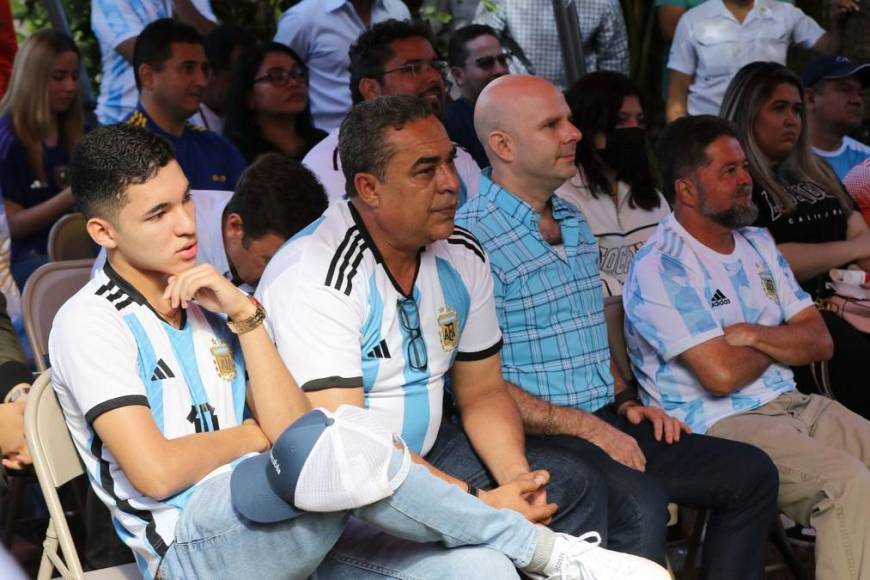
(391, 58)
(476, 58)
(382, 303)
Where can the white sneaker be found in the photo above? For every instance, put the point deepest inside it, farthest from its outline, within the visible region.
(583, 559)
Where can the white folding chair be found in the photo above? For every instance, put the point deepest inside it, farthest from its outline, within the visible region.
(46, 290)
(56, 462)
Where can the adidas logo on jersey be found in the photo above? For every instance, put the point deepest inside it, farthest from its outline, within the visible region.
(380, 351)
(719, 299)
(162, 372)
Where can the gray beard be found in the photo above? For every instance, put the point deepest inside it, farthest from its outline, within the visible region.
(734, 217)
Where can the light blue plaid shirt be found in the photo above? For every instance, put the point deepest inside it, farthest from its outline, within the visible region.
(550, 307)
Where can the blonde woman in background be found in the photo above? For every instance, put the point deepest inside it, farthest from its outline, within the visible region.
(815, 223)
(41, 120)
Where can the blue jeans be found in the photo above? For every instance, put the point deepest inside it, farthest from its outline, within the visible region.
(575, 486)
(736, 482)
(213, 541)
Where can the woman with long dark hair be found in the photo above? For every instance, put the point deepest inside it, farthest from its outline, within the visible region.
(614, 186)
(267, 104)
(805, 207)
(41, 120)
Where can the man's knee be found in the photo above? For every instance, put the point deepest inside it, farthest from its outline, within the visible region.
(847, 485)
(756, 474)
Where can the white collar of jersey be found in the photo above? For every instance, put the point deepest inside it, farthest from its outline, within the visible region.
(134, 294)
(370, 244)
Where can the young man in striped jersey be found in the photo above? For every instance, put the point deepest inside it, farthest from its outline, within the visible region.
(156, 385)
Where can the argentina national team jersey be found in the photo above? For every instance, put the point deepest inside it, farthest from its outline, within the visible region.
(339, 319)
(680, 293)
(108, 350)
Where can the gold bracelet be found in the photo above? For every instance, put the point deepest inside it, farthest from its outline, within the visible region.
(250, 323)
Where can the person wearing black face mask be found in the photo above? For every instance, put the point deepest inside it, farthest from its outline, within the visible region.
(614, 187)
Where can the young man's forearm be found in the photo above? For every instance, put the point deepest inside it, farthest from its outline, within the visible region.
(275, 398)
(160, 467)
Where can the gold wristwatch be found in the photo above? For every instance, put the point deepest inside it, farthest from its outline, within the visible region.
(251, 322)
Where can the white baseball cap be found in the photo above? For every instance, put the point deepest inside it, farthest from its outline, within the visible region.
(323, 462)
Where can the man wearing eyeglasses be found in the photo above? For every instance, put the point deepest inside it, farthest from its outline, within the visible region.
(476, 58)
(391, 58)
(381, 300)
(171, 73)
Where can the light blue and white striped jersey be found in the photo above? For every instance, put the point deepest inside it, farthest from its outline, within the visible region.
(680, 293)
(113, 22)
(339, 320)
(192, 379)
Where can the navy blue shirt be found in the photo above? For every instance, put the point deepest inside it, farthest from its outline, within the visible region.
(19, 184)
(208, 160)
(458, 119)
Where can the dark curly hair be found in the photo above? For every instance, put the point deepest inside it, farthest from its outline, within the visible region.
(371, 51)
(108, 161)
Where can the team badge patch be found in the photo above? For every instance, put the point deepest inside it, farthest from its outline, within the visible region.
(767, 283)
(223, 360)
(448, 328)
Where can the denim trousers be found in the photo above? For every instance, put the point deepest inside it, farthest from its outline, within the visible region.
(575, 486)
(735, 481)
(214, 541)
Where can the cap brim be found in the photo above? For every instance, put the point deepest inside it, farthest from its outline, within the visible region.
(253, 496)
(862, 71)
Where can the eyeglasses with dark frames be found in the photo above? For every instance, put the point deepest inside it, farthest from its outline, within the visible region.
(415, 351)
(279, 77)
(414, 69)
(488, 62)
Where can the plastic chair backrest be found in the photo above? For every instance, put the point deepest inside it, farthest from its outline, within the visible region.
(46, 290)
(68, 239)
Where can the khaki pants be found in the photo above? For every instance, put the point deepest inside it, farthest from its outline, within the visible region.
(822, 452)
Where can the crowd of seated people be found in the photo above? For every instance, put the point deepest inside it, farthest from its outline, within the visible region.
(420, 250)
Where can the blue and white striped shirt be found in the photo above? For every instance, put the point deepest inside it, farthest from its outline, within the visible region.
(550, 306)
(192, 380)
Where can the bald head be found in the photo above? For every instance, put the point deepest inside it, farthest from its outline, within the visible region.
(524, 124)
(501, 103)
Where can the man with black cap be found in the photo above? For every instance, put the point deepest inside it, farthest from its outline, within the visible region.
(834, 89)
(156, 395)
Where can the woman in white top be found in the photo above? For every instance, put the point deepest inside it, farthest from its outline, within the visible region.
(614, 187)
